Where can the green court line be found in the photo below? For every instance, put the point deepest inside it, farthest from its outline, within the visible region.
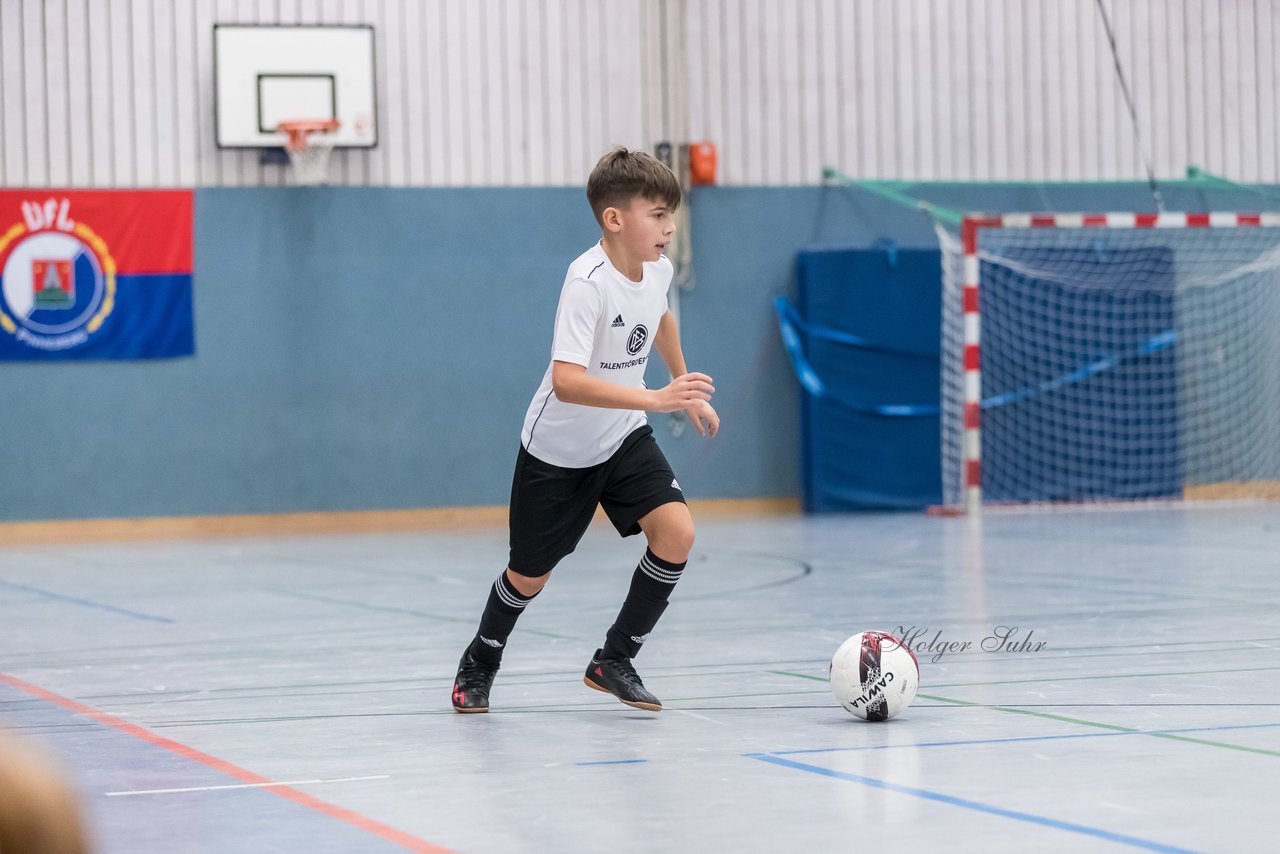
(1097, 725)
(799, 675)
(389, 610)
(973, 657)
(1063, 718)
(1061, 678)
(1107, 676)
(1079, 721)
(743, 696)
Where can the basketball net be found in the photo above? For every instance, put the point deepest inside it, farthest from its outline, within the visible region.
(309, 145)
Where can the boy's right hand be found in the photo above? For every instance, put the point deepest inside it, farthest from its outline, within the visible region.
(683, 391)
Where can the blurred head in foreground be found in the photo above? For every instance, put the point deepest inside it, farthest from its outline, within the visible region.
(39, 811)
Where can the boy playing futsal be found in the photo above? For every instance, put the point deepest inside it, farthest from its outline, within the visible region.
(586, 441)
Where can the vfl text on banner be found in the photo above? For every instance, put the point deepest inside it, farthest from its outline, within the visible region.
(95, 274)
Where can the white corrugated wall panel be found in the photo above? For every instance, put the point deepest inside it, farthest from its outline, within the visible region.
(119, 93)
(1265, 46)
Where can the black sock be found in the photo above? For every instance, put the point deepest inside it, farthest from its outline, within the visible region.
(651, 586)
(504, 607)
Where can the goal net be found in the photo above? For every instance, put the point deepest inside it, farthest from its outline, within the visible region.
(1110, 357)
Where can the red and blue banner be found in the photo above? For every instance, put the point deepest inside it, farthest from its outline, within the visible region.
(95, 274)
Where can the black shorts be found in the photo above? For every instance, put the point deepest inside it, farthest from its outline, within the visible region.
(552, 506)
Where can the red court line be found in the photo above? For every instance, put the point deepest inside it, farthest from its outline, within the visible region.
(355, 819)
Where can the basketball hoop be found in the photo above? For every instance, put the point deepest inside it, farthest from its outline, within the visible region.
(309, 145)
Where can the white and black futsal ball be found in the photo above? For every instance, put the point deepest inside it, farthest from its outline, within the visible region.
(874, 675)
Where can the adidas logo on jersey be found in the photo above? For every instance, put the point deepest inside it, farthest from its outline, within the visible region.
(617, 322)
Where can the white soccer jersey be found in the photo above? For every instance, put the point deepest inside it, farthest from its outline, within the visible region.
(606, 323)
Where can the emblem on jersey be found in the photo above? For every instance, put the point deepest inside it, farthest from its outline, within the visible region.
(58, 278)
(636, 340)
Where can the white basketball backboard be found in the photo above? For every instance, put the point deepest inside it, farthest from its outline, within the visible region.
(265, 74)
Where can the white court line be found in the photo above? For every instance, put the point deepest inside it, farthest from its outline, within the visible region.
(698, 716)
(243, 786)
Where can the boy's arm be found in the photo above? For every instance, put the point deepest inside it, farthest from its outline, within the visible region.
(667, 342)
(572, 384)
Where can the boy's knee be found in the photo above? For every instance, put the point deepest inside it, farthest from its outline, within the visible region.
(673, 542)
(526, 585)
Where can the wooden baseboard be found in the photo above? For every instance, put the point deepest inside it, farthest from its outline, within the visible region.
(303, 524)
(722, 507)
(1267, 489)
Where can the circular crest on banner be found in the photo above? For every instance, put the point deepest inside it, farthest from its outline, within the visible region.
(58, 286)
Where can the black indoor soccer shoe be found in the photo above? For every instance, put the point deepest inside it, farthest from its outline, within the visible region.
(616, 676)
(471, 685)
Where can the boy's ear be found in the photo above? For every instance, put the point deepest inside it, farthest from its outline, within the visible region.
(611, 218)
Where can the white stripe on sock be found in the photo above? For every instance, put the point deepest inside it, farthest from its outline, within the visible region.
(507, 598)
(657, 573)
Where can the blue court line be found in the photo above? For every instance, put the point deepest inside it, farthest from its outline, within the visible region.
(88, 603)
(615, 762)
(1022, 738)
(1054, 823)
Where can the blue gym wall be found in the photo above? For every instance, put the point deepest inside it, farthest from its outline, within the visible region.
(366, 348)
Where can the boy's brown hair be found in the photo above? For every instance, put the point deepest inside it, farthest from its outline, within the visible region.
(622, 176)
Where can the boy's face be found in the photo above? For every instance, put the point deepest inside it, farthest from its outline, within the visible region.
(644, 227)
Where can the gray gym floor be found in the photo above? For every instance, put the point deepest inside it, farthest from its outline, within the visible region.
(292, 694)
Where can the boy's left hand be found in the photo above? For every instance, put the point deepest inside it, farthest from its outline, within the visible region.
(704, 418)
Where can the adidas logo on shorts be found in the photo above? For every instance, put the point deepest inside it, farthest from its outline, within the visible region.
(617, 322)
(675, 484)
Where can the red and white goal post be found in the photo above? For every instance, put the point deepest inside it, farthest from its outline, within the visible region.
(1110, 357)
